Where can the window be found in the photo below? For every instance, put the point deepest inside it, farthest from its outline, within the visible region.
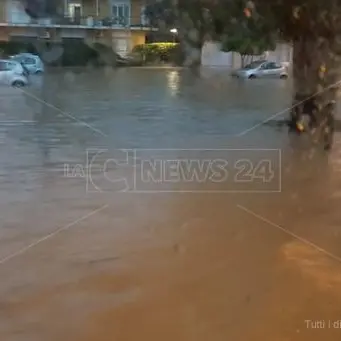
(6, 66)
(121, 14)
(29, 61)
(272, 66)
(3, 66)
(18, 59)
(11, 66)
(75, 10)
(254, 64)
(144, 17)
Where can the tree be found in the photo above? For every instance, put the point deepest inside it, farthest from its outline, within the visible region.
(314, 28)
(221, 20)
(244, 34)
(161, 14)
(194, 20)
(37, 9)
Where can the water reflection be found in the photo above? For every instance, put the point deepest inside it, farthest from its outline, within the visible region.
(194, 261)
(173, 81)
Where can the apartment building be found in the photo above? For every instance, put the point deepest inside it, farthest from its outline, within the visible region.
(121, 24)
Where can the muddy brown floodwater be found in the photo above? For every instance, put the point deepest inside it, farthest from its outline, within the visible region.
(181, 257)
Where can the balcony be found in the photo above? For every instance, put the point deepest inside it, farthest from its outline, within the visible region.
(88, 22)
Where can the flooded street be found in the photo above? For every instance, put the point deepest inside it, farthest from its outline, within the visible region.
(92, 251)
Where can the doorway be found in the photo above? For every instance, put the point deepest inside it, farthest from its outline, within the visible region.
(75, 12)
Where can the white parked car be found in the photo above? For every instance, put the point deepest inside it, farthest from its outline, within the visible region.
(262, 69)
(12, 73)
(31, 62)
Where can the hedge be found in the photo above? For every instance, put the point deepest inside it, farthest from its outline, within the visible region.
(159, 53)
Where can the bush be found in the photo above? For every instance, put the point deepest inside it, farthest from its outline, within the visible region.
(14, 47)
(77, 53)
(159, 53)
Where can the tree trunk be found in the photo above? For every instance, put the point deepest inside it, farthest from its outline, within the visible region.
(242, 58)
(193, 56)
(192, 52)
(316, 74)
(192, 45)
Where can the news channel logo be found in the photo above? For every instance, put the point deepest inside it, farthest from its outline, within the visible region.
(179, 170)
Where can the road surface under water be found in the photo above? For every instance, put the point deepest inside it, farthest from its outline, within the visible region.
(105, 251)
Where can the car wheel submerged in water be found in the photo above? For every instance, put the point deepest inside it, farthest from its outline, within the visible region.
(283, 77)
(252, 77)
(18, 84)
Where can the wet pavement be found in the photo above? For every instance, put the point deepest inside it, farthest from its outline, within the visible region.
(95, 252)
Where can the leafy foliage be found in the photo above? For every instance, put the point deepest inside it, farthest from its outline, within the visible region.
(247, 35)
(224, 20)
(192, 18)
(161, 13)
(159, 52)
(296, 18)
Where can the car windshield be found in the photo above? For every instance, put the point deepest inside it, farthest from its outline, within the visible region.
(18, 58)
(253, 65)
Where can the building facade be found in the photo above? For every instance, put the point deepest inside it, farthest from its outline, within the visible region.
(121, 24)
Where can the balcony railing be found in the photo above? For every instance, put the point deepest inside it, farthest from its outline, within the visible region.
(86, 22)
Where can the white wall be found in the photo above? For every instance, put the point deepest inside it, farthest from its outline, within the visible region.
(73, 33)
(282, 54)
(121, 43)
(213, 56)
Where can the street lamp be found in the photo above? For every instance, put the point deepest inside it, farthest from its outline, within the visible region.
(174, 31)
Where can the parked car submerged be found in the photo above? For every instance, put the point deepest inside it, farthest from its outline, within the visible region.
(31, 62)
(12, 73)
(262, 69)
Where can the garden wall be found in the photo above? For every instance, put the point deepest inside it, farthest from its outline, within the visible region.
(212, 55)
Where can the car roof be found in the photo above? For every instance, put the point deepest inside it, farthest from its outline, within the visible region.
(260, 61)
(9, 60)
(26, 54)
(263, 61)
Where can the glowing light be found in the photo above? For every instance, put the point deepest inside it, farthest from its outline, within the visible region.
(173, 82)
(247, 12)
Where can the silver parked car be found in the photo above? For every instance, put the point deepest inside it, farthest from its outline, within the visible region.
(31, 62)
(262, 69)
(12, 73)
